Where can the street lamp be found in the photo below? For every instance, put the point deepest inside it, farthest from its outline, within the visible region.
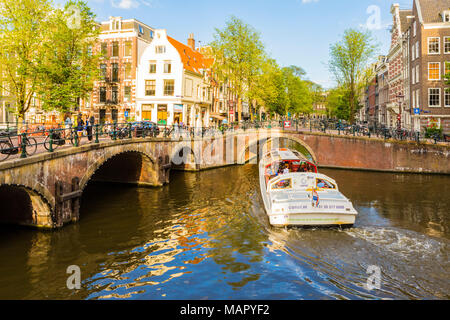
(400, 97)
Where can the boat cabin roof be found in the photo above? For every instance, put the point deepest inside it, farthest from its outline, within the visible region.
(282, 155)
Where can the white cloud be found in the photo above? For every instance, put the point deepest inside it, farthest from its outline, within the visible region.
(309, 1)
(125, 4)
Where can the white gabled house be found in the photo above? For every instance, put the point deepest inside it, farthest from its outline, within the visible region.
(173, 85)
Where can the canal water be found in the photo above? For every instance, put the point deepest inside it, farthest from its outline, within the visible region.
(206, 236)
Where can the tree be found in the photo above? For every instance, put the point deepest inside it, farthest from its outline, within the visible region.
(23, 31)
(298, 91)
(337, 103)
(270, 89)
(70, 66)
(239, 58)
(348, 63)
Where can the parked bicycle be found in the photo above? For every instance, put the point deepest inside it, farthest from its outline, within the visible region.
(7, 147)
(59, 138)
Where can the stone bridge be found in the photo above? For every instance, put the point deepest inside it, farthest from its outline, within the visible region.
(45, 190)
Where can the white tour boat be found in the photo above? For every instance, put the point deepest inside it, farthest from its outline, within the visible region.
(295, 194)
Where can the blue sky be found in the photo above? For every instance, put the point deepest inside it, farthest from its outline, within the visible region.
(295, 32)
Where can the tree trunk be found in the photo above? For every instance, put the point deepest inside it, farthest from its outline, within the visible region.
(239, 109)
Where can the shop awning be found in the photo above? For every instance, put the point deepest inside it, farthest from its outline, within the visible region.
(218, 117)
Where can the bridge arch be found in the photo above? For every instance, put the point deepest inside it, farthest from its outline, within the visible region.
(22, 205)
(254, 142)
(183, 157)
(129, 165)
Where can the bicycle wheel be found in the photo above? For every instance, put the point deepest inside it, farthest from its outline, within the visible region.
(47, 143)
(5, 149)
(31, 146)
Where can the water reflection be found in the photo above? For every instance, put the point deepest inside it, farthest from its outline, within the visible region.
(206, 236)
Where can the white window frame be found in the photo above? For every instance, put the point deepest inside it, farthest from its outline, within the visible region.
(417, 98)
(417, 50)
(163, 49)
(414, 28)
(417, 74)
(447, 41)
(445, 14)
(413, 75)
(429, 93)
(446, 94)
(429, 71)
(439, 46)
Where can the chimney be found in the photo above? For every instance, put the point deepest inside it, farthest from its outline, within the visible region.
(191, 41)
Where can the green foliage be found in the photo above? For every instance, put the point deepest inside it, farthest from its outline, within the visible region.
(431, 132)
(23, 31)
(348, 63)
(44, 53)
(338, 103)
(300, 96)
(239, 56)
(447, 75)
(70, 66)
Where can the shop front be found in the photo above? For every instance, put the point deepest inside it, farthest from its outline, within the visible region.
(162, 115)
(177, 113)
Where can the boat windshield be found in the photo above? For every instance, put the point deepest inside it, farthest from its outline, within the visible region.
(288, 166)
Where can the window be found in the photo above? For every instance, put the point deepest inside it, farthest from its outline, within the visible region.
(417, 74)
(413, 51)
(446, 44)
(417, 50)
(151, 34)
(104, 49)
(160, 49)
(413, 75)
(447, 98)
(434, 45)
(446, 67)
(114, 94)
(141, 29)
(102, 94)
(434, 97)
(446, 16)
(434, 71)
(115, 49)
(414, 28)
(127, 93)
(188, 88)
(147, 112)
(115, 72)
(169, 86)
(127, 70)
(282, 184)
(127, 50)
(162, 114)
(152, 68)
(167, 67)
(103, 71)
(150, 87)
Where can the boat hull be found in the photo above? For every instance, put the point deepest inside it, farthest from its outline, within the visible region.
(312, 219)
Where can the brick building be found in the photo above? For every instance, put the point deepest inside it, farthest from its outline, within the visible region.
(430, 50)
(121, 43)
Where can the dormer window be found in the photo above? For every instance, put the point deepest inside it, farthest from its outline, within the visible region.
(446, 16)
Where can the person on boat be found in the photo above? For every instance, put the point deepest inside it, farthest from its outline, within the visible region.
(286, 170)
(321, 184)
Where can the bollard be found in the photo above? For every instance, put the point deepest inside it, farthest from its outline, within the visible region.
(23, 145)
(96, 134)
(50, 141)
(75, 142)
(129, 131)
(115, 131)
